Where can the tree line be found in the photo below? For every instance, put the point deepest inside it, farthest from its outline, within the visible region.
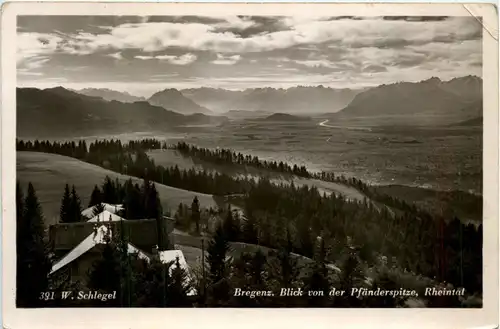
(140, 283)
(131, 158)
(227, 156)
(419, 242)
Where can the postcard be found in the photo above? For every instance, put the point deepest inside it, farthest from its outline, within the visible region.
(287, 163)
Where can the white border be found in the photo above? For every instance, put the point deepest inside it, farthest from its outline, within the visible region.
(486, 317)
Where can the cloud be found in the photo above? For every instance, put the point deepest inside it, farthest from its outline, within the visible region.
(144, 57)
(116, 56)
(178, 60)
(312, 61)
(277, 51)
(371, 68)
(226, 60)
(306, 30)
(26, 72)
(235, 22)
(32, 44)
(317, 63)
(36, 63)
(175, 60)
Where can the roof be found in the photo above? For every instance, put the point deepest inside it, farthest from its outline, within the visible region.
(167, 256)
(112, 208)
(143, 233)
(171, 256)
(106, 216)
(88, 243)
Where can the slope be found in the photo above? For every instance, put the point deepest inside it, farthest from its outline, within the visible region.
(170, 158)
(174, 100)
(110, 95)
(431, 98)
(60, 112)
(50, 172)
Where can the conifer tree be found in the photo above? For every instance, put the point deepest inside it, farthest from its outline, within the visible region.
(75, 207)
(284, 270)
(385, 282)
(180, 210)
(352, 276)
(65, 210)
(152, 284)
(33, 262)
(98, 209)
(195, 213)
(257, 269)
(105, 272)
(154, 211)
(145, 193)
(218, 264)
(95, 197)
(317, 279)
(229, 225)
(249, 273)
(250, 230)
(179, 285)
(19, 208)
(132, 203)
(182, 218)
(288, 268)
(125, 266)
(108, 191)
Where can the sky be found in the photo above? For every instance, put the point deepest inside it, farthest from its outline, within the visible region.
(144, 54)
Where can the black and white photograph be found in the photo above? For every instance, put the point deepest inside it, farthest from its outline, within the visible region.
(303, 160)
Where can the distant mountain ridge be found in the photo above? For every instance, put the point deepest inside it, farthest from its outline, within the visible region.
(236, 114)
(215, 99)
(173, 99)
(285, 117)
(300, 99)
(459, 97)
(59, 111)
(110, 95)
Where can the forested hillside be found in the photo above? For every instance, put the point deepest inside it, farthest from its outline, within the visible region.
(285, 216)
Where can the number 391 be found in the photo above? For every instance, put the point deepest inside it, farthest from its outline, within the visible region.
(47, 295)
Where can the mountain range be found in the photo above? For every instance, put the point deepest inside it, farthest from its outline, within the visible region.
(59, 112)
(300, 99)
(110, 95)
(284, 117)
(459, 98)
(173, 99)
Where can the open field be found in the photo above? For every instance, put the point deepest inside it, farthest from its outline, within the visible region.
(174, 158)
(438, 157)
(422, 160)
(50, 172)
(441, 158)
